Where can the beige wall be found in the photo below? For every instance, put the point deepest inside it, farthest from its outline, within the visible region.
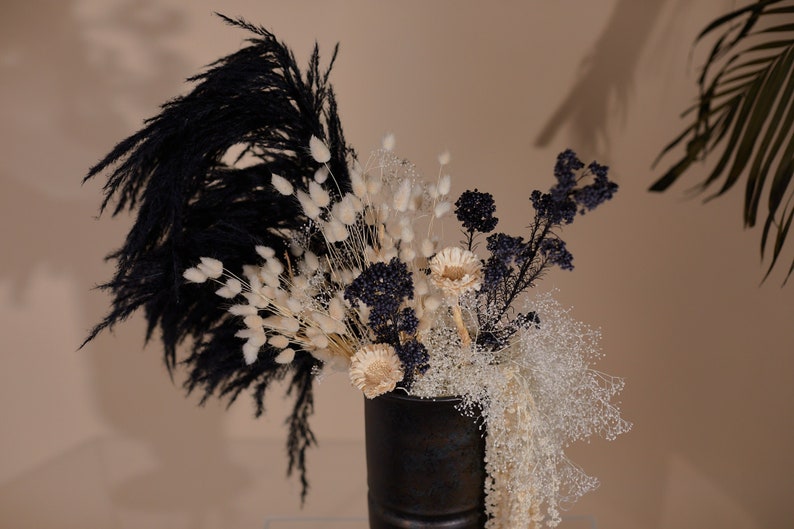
(673, 283)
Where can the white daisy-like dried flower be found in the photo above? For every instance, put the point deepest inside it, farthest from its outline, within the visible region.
(456, 271)
(375, 370)
(319, 150)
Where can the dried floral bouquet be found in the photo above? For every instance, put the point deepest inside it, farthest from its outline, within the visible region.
(326, 261)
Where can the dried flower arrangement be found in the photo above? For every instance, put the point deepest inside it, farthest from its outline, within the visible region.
(323, 261)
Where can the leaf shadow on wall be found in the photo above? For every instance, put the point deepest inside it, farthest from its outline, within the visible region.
(604, 84)
(63, 104)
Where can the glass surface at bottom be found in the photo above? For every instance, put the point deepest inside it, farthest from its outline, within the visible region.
(573, 521)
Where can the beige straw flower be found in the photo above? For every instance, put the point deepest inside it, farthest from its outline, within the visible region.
(456, 271)
(375, 369)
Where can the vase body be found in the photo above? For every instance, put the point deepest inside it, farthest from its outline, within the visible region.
(425, 464)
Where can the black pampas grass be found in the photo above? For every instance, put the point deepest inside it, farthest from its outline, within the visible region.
(175, 174)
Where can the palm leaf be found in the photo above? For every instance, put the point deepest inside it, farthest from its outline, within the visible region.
(744, 115)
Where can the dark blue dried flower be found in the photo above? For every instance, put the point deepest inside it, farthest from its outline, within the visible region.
(505, 248)
(555, 252)
(382, 287)
(591, 196)
(407, 321)
(475, 211)
(554, 211)
(565, 172)
(414, 357)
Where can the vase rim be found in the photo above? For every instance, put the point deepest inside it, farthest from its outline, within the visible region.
(401, 395)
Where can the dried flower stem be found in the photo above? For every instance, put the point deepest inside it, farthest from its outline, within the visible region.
(463, 332)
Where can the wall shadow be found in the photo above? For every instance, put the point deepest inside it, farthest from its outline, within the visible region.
(601, 92)
(66, 101)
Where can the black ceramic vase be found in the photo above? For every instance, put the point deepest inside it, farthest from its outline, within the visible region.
(425, 464)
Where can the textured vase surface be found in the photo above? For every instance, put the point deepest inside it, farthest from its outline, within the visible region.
(425, 464)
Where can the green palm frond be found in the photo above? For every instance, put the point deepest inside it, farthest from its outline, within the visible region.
(744, 117)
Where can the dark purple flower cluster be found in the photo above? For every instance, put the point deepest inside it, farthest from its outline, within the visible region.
(601, 190)
(506, 251)
(382, 287)
(414, 357)
(475, 211)
(555, 211)
(564, 200)
(516, 263)
(556, 253)
(568, 164)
